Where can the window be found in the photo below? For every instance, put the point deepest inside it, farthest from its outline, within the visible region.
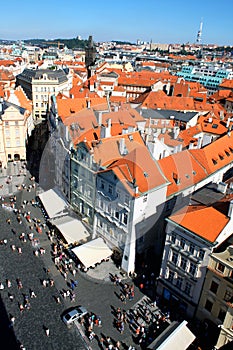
(127, 199)
(6, 123)
(17, 142)
(183, 263)
(228, 295)
(17, 131)
(109, 209)
(208, 305)
(110, 190)
(174, 257)
(187, 288)
(171, 276)
(101, 204)
(182, 243)
(16, 122)
(214, 287)
(221, 315)
(102, 185)
(192, 268)
(125, 218)
(179, 282)
(220, 267)
(191, 248)
(117, 214)
(173, 238)
(201, 254)
(145, 198)
(36, 97)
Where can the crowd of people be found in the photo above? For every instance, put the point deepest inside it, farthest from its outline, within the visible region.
(67, 268)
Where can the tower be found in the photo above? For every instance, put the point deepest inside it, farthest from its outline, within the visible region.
(90, 54)
(199, 33)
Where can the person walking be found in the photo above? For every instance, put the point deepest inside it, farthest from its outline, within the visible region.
(47, 331)
(32, 294)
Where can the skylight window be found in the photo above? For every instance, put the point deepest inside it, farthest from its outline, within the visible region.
(214, 126)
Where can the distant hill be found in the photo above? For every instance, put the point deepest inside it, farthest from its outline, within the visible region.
(70, 43)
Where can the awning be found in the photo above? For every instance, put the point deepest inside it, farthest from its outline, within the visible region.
(92, 252)
(71, 229)
(53, 203)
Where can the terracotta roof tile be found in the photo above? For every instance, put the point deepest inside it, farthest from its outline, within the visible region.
(205, 222)
(216, 155)
(182, 171)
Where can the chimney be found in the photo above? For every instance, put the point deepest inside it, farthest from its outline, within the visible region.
(176, 178)
(222, 187)
(1, 105)
(191, 145)
(163, 131)
(228, 122)
(122, 148)
(176, 131)
(99, 118)
(230, 209)
(199, 142)
(88, 104)
(221, 113)
(105, 130)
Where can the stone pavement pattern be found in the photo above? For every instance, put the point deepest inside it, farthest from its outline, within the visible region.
(98, 296)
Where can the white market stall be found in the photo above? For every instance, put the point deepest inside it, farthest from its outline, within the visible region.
(92, 253)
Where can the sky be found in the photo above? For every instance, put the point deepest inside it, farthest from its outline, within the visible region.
(159, 21)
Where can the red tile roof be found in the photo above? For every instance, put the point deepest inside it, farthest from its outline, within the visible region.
(182, 171)
(216, 155)
(205, 222)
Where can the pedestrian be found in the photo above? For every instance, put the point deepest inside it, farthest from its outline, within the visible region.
(47, 332)
(21, 308)
(51, 282)
(1, 286)
(74, 272)
(13, 247)
(58, 300)
(32, 294)
(8, 282)
(101, 342)
(5, 241)
(19, 250)
(12, 321)
(19, 283)
(11, 296)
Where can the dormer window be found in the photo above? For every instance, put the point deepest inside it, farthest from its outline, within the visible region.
(220, 267)
(214, 161)
(221, 156)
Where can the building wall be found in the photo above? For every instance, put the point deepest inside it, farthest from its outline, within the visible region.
(14, 135)
(183, 268)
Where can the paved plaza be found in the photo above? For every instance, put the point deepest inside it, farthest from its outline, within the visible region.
(95, 291)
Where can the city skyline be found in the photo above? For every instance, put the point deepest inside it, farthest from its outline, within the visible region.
(132, 20)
